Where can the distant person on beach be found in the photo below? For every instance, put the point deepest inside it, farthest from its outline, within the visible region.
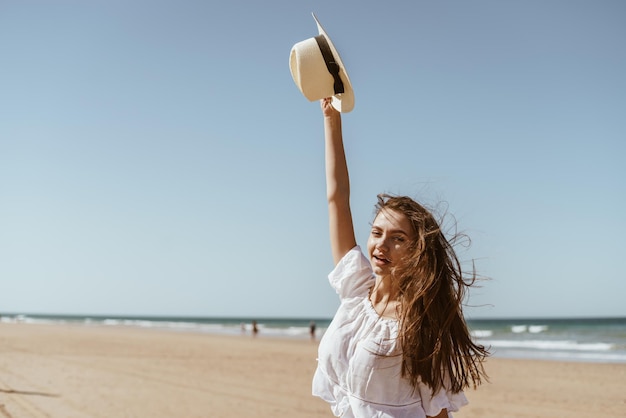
(312, 327)
(255, 329)
(398, 345)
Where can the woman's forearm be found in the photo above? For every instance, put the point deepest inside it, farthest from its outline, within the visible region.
(342, 237)
(337, 178)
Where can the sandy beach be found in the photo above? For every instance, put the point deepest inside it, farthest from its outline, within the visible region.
(77, 371)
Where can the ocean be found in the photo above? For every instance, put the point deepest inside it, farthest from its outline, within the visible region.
(574, 339)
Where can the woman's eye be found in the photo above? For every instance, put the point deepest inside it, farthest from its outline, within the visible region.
(399, 239)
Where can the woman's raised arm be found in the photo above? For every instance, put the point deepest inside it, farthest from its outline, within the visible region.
(342, 238)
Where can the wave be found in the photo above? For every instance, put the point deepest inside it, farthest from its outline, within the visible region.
(552, 345)
(533, 329)
(482, 333)
(585, 356)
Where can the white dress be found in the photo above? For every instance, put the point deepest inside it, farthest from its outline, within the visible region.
(359, 359)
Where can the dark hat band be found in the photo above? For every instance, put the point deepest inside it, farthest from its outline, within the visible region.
(331, 64)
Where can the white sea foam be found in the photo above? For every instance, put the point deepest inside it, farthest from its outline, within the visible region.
(482, 333)
(518, 329)
(552, 345)
(586, 356)
(533, 329)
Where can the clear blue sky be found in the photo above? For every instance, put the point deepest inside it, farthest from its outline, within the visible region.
(157, 158)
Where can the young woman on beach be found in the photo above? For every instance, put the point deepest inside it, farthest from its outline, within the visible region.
(398, 345)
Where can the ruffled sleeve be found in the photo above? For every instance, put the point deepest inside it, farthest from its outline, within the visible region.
(353, 275)
(443, 399)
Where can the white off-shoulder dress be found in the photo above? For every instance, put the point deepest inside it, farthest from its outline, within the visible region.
(359, 358)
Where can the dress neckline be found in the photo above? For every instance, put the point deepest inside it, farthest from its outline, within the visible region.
(371, 310)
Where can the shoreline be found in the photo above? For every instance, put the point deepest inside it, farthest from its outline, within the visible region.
(77, 371)
(588, 340)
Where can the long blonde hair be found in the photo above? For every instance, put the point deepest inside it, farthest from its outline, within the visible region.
(437, 347)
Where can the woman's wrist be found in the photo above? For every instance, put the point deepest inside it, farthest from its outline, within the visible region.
(333, 117)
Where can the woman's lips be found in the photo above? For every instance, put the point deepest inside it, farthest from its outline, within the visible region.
(380, 261)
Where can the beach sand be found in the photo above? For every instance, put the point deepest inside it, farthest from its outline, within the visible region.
(76, 371)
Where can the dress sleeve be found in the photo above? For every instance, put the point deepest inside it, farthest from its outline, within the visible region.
(353, 275)
(443, 399)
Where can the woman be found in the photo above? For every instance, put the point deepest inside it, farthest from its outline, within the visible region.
(398, 345)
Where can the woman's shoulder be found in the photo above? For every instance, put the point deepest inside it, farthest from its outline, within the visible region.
(353, 275)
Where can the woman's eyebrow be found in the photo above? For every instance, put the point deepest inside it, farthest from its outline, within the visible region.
(392, 231)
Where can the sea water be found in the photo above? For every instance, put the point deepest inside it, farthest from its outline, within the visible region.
(571, 339)
(568, 339)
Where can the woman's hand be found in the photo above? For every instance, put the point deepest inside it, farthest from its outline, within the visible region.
(327, 108)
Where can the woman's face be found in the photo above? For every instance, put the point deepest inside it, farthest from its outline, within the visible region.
(389, 240)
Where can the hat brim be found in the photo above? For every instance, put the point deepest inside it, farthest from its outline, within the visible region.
(342, 102)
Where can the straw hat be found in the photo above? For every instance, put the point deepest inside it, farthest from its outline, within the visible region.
(318, 71)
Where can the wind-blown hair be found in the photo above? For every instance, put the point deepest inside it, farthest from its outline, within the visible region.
(437, 348)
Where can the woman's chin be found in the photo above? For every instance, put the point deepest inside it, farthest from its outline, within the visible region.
(380, 270)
